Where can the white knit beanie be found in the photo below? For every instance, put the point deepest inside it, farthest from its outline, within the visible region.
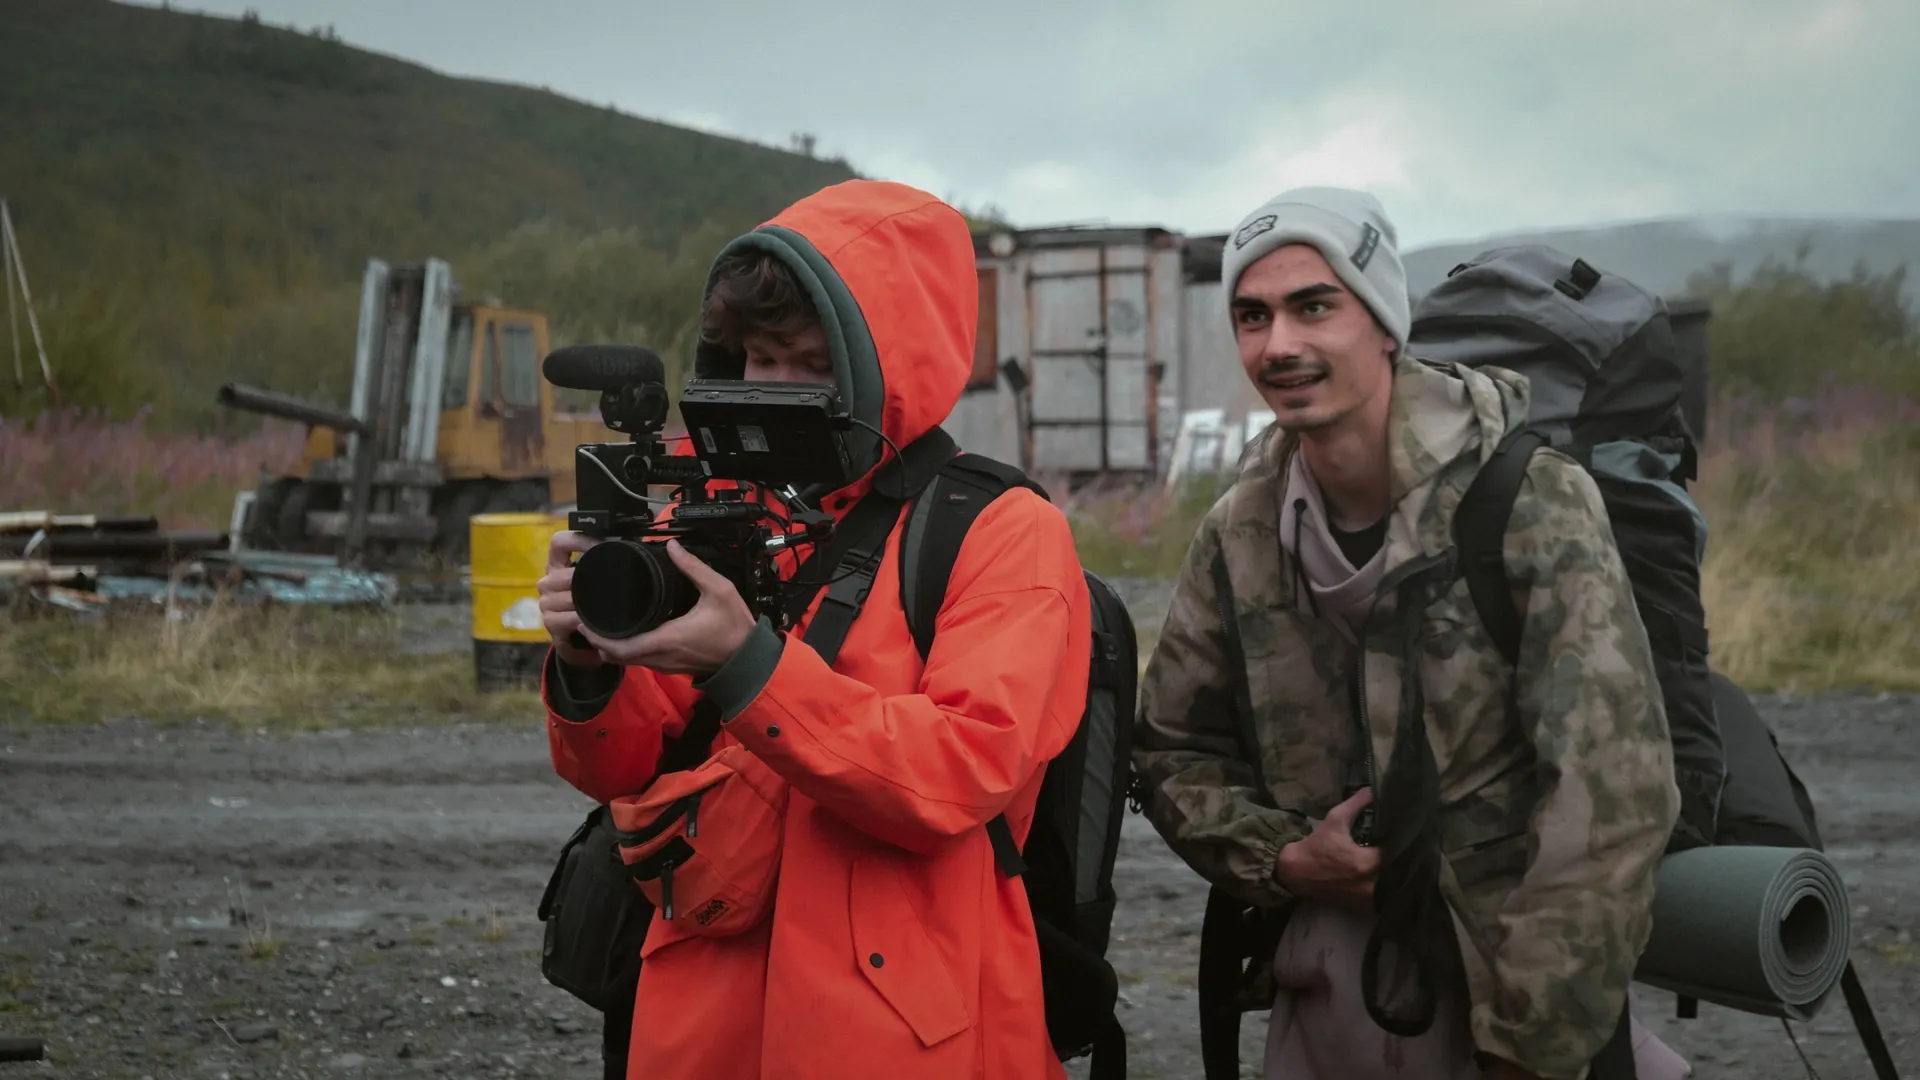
(1352, 232)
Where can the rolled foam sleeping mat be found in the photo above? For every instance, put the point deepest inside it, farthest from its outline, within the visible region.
(1765, 930)
(22, 1050)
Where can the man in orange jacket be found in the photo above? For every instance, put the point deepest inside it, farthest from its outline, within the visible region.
(894, 947)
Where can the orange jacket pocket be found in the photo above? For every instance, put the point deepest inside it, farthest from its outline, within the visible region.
(704, 844)
(899, 960)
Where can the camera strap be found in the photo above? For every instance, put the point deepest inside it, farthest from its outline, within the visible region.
(859, 541)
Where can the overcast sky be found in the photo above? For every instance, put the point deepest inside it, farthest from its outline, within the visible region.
(1466, 117)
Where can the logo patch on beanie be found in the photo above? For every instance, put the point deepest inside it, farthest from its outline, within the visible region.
(1254, 228)
(1369, 243)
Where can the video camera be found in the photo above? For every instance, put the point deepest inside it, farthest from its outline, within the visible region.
(759, 434)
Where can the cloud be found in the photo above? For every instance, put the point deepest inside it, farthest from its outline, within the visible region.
(1467, 118)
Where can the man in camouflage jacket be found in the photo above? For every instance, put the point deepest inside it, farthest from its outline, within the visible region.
(1324, 712)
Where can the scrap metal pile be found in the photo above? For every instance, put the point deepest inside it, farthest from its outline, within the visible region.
(86, 562)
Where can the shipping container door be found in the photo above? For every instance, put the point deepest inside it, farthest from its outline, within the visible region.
(1089, 332)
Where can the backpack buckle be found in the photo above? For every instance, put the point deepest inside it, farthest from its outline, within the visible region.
(1579, 281)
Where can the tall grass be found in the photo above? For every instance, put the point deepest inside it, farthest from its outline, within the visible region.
(259, 665)
(73, 462)
(1812, 575)
(279, 667)
(1134, 532)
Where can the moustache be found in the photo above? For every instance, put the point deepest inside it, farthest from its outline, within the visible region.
(1292, 369)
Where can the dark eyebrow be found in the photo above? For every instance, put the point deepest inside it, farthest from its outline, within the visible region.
(1297, 296)
(1301, 296)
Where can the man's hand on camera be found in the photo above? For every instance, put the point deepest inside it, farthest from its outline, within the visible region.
(556, 599)
(696, 643)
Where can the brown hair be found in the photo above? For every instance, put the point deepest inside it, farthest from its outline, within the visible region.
(753, 293)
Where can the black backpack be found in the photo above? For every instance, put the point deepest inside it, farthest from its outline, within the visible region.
(596, 919)
(1764, 803)
(1067, 865)
(1608, 385)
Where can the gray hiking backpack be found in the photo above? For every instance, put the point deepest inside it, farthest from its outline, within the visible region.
(1610, 387)
(1608, 381)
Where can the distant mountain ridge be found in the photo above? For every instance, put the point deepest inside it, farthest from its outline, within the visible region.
(198, 196)
(150, 118)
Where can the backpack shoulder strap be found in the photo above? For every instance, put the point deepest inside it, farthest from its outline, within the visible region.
(845, 566)
(937, 526)
(1480, 530)
(929, 546)
(864, 537)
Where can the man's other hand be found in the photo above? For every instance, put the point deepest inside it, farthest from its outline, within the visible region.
(555, 590)
(696, 643)
(1328, 865)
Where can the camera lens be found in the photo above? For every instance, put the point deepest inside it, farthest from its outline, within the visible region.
(625, 587)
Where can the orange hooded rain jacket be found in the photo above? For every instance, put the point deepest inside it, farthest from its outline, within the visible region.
(895, 947)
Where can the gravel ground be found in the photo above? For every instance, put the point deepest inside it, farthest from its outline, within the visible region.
(192, 902)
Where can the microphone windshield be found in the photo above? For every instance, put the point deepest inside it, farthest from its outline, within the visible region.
(602, 367)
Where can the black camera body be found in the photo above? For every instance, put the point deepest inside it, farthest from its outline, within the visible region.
(755, 434)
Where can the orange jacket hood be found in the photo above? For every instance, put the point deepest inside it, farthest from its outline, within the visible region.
(891, 272)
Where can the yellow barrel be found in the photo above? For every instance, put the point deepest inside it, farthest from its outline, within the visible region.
(508, 556)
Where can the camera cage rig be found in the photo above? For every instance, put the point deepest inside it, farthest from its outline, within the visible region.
(752, 436)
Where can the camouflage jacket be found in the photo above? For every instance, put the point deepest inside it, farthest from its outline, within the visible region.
(1556, 794)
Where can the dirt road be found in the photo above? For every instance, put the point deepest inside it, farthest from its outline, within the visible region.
(196, 903)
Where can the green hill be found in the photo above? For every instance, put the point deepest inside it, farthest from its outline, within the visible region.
(197, 197)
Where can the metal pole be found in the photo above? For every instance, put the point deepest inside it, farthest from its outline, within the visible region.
(268, 403)
(13, 313)
(1106, 420)
(13, 245)
(1028, 447)
(359, 495)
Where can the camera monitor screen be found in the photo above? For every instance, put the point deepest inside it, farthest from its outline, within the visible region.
(773, 432)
